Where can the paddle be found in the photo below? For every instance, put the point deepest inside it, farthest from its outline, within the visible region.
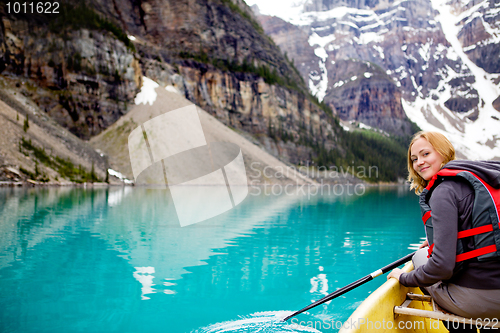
(353, 285)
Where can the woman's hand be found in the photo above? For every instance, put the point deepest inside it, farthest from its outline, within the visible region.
(424, 244)
(396, 273)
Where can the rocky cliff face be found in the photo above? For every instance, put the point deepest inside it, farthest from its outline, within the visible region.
(478, 27)
(245, 102)
(294, 41)
(332, 41)
(87, 77)
(424, 48)
(365, 93)
(211, 51)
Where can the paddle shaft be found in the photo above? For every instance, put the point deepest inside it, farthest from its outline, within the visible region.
(355, 284)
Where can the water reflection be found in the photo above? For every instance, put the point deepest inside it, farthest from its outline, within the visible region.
(30, 216)
(125, 246)
(116, 195)
(154, 239)
(319, 284)
(145, 276)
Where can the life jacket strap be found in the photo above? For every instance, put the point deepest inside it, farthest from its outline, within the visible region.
(429, 250)
(426, 216)
(431, 182)
(476, 253)
(475, 231)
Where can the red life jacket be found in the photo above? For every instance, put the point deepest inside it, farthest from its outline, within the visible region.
(485, 217)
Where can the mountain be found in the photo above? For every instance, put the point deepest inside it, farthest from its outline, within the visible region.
(34, 148)
(83, 66)
(113, 141)
(378, 62)
(87, 64)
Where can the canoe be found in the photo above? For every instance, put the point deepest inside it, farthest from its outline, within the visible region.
(376, 313)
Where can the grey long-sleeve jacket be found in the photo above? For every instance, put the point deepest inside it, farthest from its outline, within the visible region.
(451, 204)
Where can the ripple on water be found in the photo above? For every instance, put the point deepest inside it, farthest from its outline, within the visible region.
(259, 322)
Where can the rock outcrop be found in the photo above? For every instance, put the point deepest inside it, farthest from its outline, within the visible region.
(35, 149)
(294, 41)
(478, 32)
(402, 39)
(365, 93)
(87, 77)
(212, 51)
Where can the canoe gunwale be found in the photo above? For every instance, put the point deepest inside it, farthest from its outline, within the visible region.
(438, 313)
(376, 313)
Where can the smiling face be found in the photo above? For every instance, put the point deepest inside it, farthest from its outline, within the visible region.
(426, 160)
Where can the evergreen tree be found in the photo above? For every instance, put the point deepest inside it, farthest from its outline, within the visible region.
(26, 124)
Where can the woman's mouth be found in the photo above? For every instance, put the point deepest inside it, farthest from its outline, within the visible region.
(423, 169)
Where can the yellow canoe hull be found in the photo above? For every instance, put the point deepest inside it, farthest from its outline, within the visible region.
(376, 313)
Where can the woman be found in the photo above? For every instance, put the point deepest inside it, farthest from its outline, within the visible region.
(455, 201)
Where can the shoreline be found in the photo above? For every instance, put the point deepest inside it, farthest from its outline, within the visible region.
(31, 183)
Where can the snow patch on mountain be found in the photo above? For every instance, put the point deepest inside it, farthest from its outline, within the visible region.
(434, 77)
(147, 93)
(319, 44)
(479, 139)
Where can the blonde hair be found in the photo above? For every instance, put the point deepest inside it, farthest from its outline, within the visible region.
(442, 146)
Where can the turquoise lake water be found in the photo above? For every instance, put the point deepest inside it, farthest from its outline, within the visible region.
(117, 260)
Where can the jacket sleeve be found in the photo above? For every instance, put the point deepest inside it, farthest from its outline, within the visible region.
(444, 207)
